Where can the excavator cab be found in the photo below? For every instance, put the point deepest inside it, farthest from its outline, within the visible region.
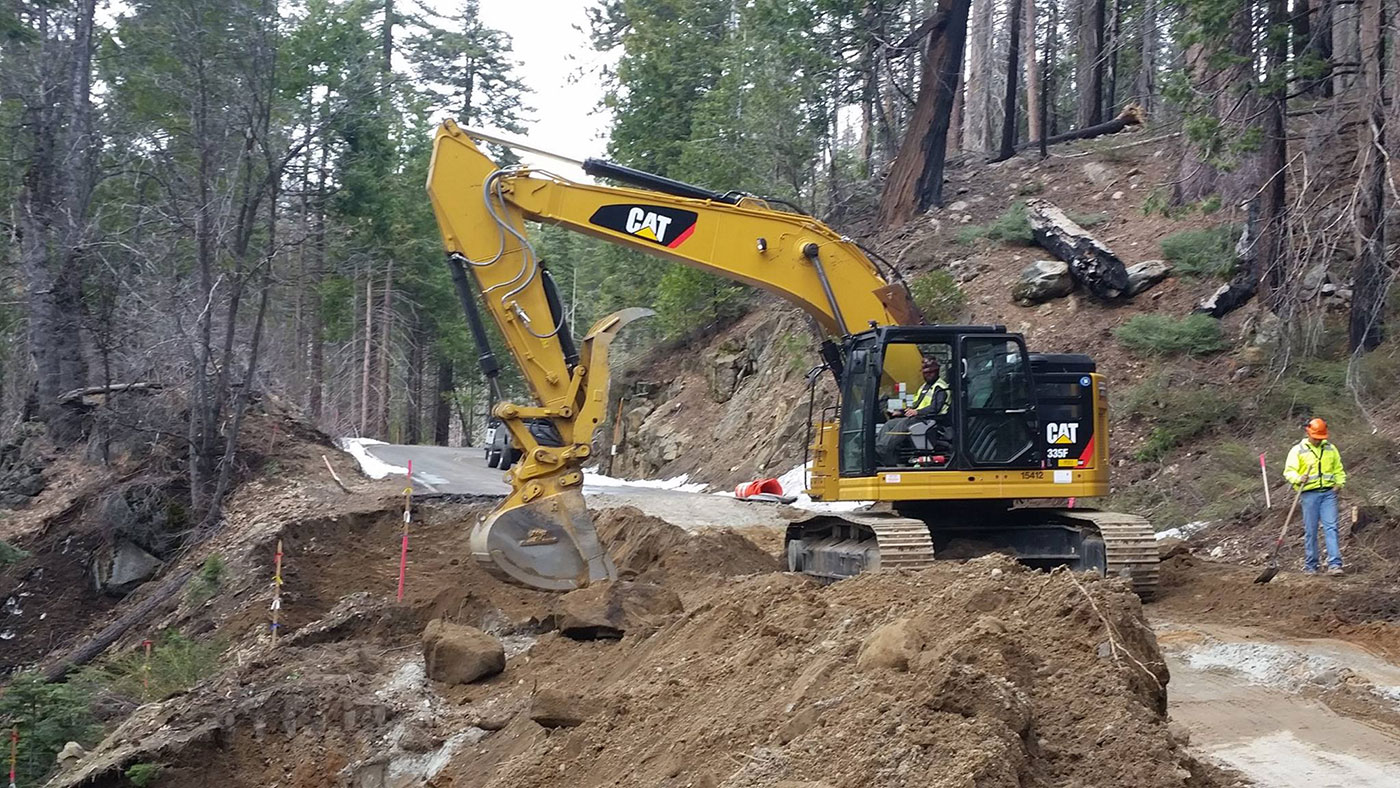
(990, 417)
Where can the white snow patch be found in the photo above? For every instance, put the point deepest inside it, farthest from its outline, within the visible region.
(794, 482)
(371, 466)
(681, 483)
(1184, 531)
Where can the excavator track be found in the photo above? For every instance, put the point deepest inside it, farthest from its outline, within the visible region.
(832, 547)
(1131, 544)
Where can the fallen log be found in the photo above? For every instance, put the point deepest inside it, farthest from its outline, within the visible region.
(1092, 264)
(90, 649)
(77, 394)
(1132, 115)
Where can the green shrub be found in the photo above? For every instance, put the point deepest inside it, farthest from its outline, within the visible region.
(48, 717)
(176, 664)
(796, 352)
(207, 582)
(1013, 227)
(688, 299)
(1160, 335)
(1177, 410)
(1202, 253)
(1087, 220)
(143, 774)
(937, 295)
(9, 554)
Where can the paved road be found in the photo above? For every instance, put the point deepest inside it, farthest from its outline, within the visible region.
(442, 469)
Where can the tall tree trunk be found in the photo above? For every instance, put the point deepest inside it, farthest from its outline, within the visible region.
(1145, 85)
(53, 209)
(1050, 119)
(368, 355)
(1369, 273)
(1088, 81)
(442, 404)
(977, 107)
(413, 403)
(1113, 29)
(386, 327)
(1034, 129)
(1273, 219)
(955, 117)
(916, 179)
(315, 406)
(1346, 44)
(1013, 70)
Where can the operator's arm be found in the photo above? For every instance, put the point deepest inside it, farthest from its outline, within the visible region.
(940, 398)
(1339, 474)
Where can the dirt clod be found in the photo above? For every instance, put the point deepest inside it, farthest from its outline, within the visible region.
(456, 654)
(610, 609)
(554, 708)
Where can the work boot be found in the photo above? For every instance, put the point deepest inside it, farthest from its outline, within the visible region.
(1335, 571)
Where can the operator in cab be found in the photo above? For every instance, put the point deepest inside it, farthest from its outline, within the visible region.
(932, 399)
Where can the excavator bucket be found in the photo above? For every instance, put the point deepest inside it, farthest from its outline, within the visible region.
(547, 543)
(542, 535)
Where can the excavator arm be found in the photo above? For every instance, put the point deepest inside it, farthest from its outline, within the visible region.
(541, 535)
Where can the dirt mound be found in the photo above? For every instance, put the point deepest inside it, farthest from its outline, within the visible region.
(1000, 677)
(651, 549)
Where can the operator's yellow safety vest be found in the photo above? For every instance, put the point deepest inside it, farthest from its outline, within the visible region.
(1323, 463)
(926, 396)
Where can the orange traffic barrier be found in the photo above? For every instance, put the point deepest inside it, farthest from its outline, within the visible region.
(748, 489)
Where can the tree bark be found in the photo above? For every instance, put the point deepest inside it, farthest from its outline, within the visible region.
(1091, 263)
(1034, 121)
(442, 404)
(1013, 70)
(386, 326)
(1273, 199)
(977, 106)
(1089, 29)
(916, 179)
(52, 220)
(955, 117)
(1369, 280)
(413, 403)
(1145, 85)
(368, 355)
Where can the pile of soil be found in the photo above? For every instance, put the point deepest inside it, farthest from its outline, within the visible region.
(985, 674)
(649, 548)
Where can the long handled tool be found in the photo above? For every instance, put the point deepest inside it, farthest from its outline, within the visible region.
(1272, 569)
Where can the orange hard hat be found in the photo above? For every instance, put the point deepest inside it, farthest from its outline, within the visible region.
(1317, 428)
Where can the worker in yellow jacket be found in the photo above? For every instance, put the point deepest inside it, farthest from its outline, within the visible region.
(1314, 468)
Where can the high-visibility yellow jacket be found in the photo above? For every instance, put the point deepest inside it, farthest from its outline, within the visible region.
(1320, 464)
(928, 397)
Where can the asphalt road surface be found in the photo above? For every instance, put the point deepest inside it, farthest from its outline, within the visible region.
(458, 471)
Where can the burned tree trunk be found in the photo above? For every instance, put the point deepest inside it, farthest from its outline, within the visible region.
(442, 404)
(1367, 327)
(1093, 265)
(916, 179)
(1245, 283)
(1013, 64)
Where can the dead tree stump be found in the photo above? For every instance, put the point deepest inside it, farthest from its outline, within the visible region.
(1094, 266)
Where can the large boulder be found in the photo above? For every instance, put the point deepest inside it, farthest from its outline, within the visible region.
(553, 708)
(610, 609)
(120, 567)
(1146, 274)
(458, 654)
(1041, 281)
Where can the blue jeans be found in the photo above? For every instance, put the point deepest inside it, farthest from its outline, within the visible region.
(1320, 505)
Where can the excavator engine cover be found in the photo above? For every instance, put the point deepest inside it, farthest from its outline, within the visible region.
(547, 543)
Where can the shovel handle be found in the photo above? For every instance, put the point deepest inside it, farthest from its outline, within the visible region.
(1287, 521)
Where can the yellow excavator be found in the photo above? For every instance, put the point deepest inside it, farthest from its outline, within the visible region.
(1015, 432)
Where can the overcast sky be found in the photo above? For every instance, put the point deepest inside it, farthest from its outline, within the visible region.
(561, 70)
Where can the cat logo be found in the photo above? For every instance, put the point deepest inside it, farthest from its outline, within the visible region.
(668, 227)
(1061, 432)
